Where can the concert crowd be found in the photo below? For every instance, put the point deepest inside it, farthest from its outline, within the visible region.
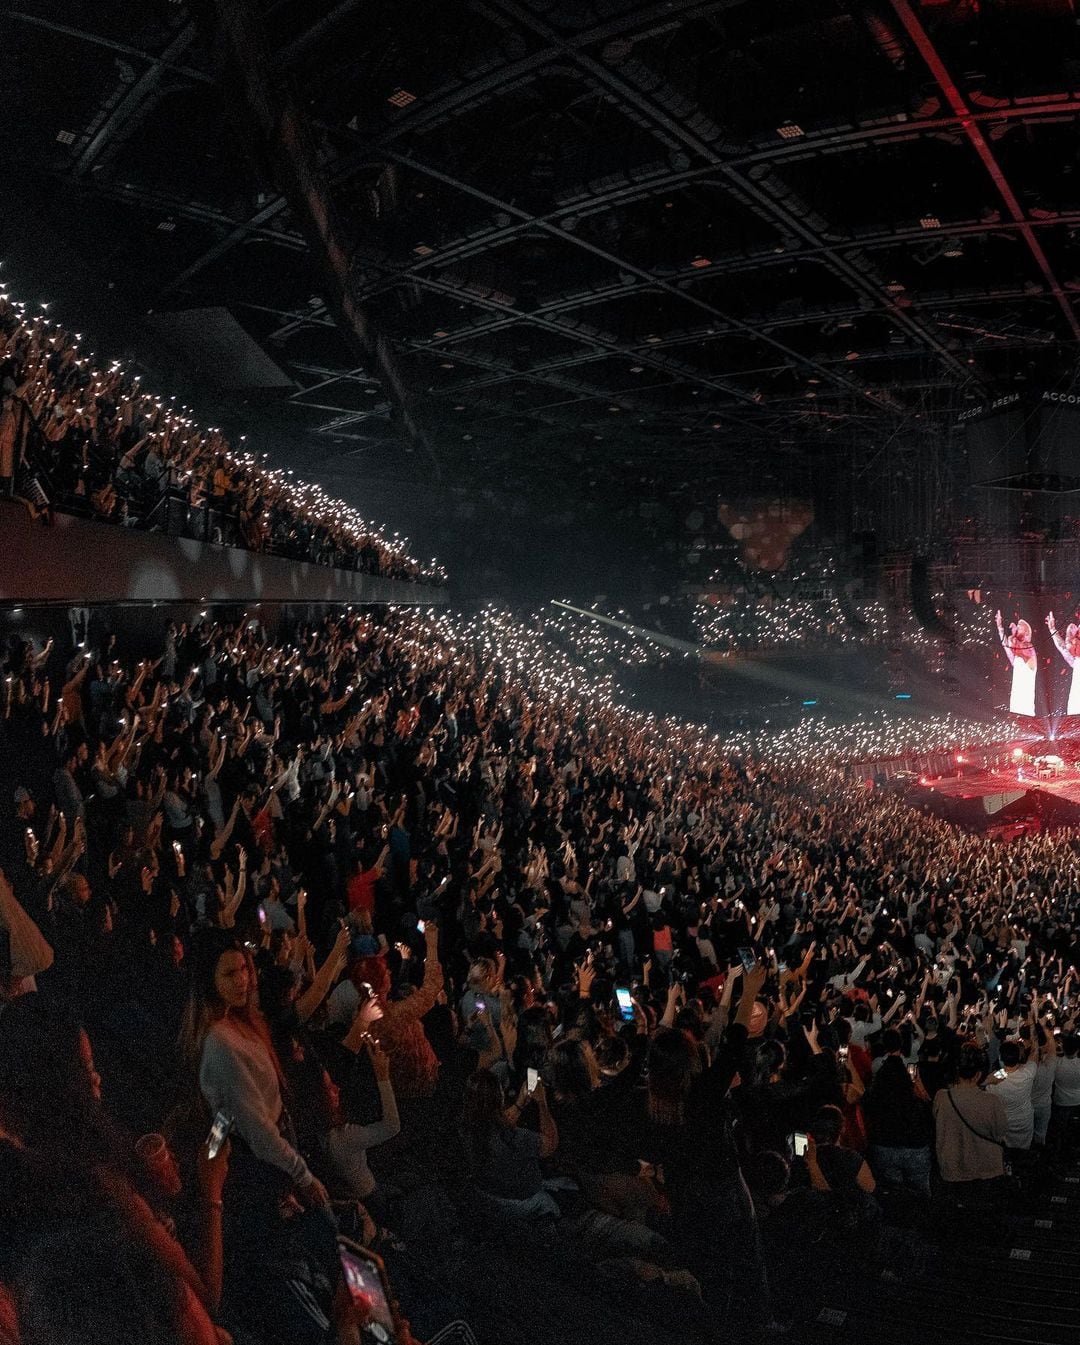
(448, 952)
(95, 442)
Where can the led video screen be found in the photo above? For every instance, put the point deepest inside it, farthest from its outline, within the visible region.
(1039, 642)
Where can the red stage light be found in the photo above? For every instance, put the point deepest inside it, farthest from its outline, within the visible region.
(960, 758)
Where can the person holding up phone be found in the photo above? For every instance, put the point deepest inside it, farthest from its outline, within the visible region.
(228, 1043)
(504, 1157)
(212, 1167)
(400, 1031)
(899, 1125)
(971, 1124)
(346, 1142)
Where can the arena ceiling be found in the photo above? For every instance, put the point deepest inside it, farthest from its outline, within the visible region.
(681, 230)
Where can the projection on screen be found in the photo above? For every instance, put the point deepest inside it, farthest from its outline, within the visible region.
(1067, 644)
(1024, 662)
(1040, 656)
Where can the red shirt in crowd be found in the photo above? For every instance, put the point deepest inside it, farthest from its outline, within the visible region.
(361, 890)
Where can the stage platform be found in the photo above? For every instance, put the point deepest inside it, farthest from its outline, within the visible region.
(986, 784)
(989, 798)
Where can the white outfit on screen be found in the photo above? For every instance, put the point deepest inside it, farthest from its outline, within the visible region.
(1073, 707)
(1024, 666)
(1022, 700)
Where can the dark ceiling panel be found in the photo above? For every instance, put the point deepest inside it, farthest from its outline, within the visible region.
(607, 222)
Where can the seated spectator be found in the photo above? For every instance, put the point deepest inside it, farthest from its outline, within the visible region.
(504, 1156)
(833, 1168)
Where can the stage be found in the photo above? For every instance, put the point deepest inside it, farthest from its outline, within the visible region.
(1018, 796)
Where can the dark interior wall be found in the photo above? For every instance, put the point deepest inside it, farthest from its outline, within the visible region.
(505, 545)
(41, 265)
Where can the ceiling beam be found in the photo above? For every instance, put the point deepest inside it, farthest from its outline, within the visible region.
(489, 83)
(652, 280)
(277, 123)
(121, 48)
(951, 91)
(586, 203)
(128, 104)
(636, 87)
(599, 340)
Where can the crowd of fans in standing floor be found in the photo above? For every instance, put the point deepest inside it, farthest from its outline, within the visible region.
(442, 943)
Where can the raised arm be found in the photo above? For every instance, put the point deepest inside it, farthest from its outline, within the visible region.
(222, 839)
(1009, 654)
(325, 977)
(1060, 644)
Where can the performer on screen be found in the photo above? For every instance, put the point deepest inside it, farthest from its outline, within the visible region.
(1069, 649)
(1021, 654)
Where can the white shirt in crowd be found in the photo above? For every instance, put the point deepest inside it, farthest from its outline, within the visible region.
(1044, 1082)
(1067, 1082)
(1015, 1092)
(860, 1031)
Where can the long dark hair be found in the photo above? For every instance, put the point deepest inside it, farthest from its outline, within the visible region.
(46, 1095)
(483, 1113)
(892, 1087)
(671, 1058)
(573, 1070)
(93, 1281)
(892, 1099)
(205, 1007)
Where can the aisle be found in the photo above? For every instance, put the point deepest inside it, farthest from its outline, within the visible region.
(1021, 1287)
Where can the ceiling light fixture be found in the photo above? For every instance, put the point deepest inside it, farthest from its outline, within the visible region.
(790, 130)
(929, 222)
(65, 137)
(699, 263)
(422, 250)
(401, 98)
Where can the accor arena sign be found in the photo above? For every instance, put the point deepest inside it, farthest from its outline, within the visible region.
(988, 408)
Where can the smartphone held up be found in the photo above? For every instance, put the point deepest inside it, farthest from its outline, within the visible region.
(365, 1279)
(219, 1133)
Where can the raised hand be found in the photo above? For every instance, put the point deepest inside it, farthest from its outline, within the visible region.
(380, 1061)
(586, 974)
(755, 978)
